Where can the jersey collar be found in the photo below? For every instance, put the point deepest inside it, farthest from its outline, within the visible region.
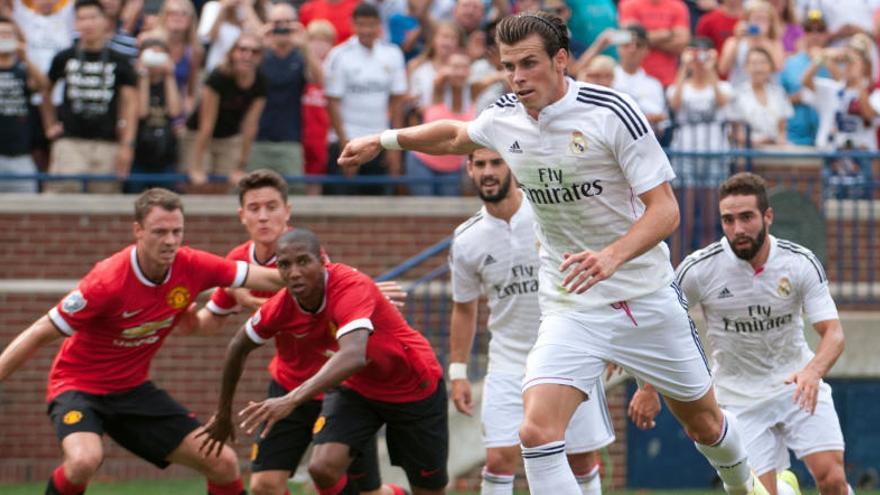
(514, 220)
(561, 104)
(252, 254)
(728, 251)
(136, 268)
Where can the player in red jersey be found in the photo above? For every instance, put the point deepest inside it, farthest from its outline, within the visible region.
(264, 211)
(388, 371)
(115, 321)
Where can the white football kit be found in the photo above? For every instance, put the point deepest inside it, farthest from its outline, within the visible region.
(757, 336)
(583, 164)
(500, 260)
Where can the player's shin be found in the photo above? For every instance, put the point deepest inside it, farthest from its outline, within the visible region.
(235, 487)
(590, 482)
(60, 485)
(548, 471)
(728, 457)
(496, 484)
(341, 487)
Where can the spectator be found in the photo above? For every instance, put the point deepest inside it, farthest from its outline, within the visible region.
(338, 12)
(223, 21)
(590, 18)
(488, 81)
(408, 27)
(599, 70)
(19, 79)
(156, 150)
(123, 18)
(699, 101)
(451, 100)
(446, 40)
(718, 25)
(759, 27)
(360, 97)
(316, 122)
(223, 127)
(49, 28)
(631, 78)
(760, 103)
(287, 66)
(96, 124)
(804, 124)
(469, 16)
(668, 33)
(845, 18)
(697, 9)
(177, 19)
(560, 9)
(791, 27)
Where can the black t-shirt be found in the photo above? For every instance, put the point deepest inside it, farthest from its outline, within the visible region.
(234, 103)
(93, 82)
(15, 131)
(286, 80)
(156, 143)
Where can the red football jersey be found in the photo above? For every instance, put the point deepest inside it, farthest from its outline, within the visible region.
(222, 302)
(117, 318)
(401, 366)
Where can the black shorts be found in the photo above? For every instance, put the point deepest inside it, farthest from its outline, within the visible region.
(287, 442)
(417, 432)
(145, 420)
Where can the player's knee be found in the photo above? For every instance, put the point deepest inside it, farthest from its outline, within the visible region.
(325, 470)
(223, 468)
(267, 485)
(82, 465)
(582, 463)
(832, 481)
(705, 428)
(502, 461)
(532, 434)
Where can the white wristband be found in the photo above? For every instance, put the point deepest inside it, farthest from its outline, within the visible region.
(388, 140)
(458, 371)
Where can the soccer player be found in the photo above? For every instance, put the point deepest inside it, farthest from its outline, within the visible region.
(265, 213)
(114, 323)
(388, 371)
(494, 252)
(752, 288)
(598, 183)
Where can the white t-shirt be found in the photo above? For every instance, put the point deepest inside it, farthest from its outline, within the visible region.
(763, 119)
(646, 90)
(45, 35)
(500, 260)
(837, 124)
(364, 79)
(582, 165)
(227, 35)
(754, 319)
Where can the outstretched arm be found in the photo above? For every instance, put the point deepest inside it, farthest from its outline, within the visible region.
(40, 333)
(441, 137)
(462, 328)
(262, 278)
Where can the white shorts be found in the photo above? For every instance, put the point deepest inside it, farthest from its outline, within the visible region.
(772, 426)
(651, 337)
(502, 413)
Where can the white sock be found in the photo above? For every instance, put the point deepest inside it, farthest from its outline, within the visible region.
(548, 471)
(496, 484)
(728, 457)
(850, 490)
(590, 483)
(783, 488)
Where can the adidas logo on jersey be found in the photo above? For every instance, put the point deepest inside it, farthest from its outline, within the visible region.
(725, 293)
(514, 148)
(489, 260)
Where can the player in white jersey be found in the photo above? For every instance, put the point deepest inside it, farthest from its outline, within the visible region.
(495, 253)
(598, 182)
(752, 288)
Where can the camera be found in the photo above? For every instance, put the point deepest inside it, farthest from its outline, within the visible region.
(702, 56)
(154, 58)
(620, 37)
(753, 30)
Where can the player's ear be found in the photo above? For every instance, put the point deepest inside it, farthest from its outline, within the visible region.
(136, 229)
(768, 216)
(561, 58)
(241, 215)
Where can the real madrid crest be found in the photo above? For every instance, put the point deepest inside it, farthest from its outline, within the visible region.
(578, 143)
(784, 287)
(178, 297)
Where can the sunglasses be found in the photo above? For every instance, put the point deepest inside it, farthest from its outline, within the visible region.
(248, 49)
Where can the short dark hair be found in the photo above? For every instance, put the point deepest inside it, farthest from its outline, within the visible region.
(301, 236)
(746, 184)
(549, 27)
(260, 178)
(81, 4)
(365, 10)
(157, 196)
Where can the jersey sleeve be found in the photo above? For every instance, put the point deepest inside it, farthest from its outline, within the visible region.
(465, 279)
(480, 130)
(81, 307)
(687, 279)
(334, 77)
(222, 303)
(635, 147)
(218, 272)
(818, 303)
(353, 305)
(264, 323)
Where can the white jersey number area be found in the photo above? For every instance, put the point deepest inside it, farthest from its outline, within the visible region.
(582, 165)
(500, 260)
(754, 318)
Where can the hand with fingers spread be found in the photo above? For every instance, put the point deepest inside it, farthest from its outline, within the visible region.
(392, 291)
(807, 392)
(586, 269)
(269, 411)
(644, 407)
(217, 432)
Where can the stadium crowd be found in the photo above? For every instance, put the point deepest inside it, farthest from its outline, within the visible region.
(222, 87)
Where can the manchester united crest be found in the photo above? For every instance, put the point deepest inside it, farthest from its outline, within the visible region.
(784, 287)
(72, 417)
(578, 144)
(178, 297)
